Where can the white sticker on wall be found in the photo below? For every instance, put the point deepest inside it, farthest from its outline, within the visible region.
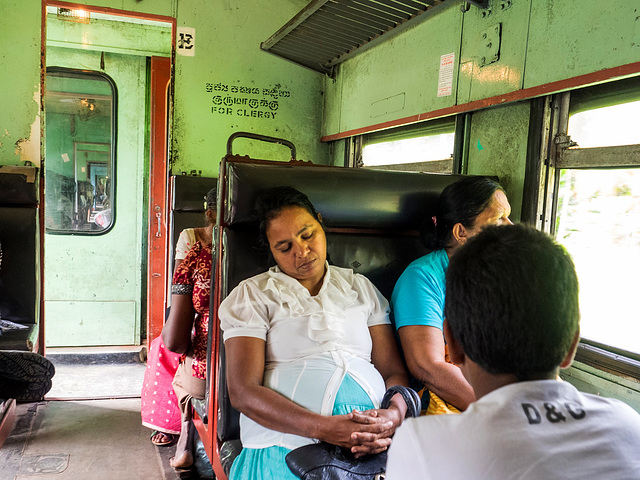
(445, 79)
(65, 158)
(186, 41)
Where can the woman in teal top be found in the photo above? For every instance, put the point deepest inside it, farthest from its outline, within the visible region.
(464, 208)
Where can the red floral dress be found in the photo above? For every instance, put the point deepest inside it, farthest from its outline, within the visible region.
(193, 277)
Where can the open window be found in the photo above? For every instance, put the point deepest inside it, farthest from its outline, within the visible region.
(80, 151)
(426, 147)
(598, 220)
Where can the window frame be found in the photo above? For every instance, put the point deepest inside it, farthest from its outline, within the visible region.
(451, 165)
(81, 73)
(559, 153)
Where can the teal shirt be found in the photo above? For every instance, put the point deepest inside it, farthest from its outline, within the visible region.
(418, 297)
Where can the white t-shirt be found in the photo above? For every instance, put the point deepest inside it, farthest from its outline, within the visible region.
(528, 430)
(311, 341)
(186, 240)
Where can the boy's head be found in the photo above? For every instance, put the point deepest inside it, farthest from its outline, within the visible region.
(512, 301)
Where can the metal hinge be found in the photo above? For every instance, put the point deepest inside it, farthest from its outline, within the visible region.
(564, 141)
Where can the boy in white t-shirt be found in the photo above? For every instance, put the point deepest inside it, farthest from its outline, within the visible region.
(512, 321)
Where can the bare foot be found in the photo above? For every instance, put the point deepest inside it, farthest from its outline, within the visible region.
(162, 439)
(181, 460)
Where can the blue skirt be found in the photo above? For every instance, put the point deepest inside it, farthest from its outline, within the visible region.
(269, 463)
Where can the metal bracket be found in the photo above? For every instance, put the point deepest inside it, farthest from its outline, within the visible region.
(489, 46)
(564, 141)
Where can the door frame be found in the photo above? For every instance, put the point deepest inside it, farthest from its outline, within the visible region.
(158, 234)
(161, 72)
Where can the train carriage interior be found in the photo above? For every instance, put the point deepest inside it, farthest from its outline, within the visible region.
(119, 117)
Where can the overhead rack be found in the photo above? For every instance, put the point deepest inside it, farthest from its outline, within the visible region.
(327, 32)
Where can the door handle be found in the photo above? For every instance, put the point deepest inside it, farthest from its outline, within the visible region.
(159, 218)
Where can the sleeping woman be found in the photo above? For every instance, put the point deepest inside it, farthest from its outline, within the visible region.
(309, 346)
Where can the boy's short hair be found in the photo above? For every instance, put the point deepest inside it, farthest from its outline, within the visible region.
(512, 301)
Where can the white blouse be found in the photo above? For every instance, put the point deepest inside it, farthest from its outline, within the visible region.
(186, 240)
(311, 341)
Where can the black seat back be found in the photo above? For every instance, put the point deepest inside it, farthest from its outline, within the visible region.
(19, 285)
(372, 218)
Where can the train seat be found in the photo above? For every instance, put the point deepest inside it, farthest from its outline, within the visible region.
(187, 193)
(372, 219)
(19, 284)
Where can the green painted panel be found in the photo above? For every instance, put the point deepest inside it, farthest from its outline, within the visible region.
(90, 323)
(230, 85)
(110, 36)
(506, 74)
(332, 111)
(498, 146)
(20, 82)
(570, 37)
(395, 79)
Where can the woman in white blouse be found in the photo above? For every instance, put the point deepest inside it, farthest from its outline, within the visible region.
(309, 347)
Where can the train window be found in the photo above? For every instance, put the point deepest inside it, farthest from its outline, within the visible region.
(598, 221)
(79, 152)
(606, 126)
(423, 147)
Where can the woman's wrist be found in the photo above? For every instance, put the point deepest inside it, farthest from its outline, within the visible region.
(399, 407)
(321, 429)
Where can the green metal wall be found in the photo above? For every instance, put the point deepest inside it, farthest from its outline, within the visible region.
(541, 41)
(228, 35)
(229, 79)
(20, 82)
(498, 146)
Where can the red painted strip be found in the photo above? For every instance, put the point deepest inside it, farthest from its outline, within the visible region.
(523, 94)
(158, 245)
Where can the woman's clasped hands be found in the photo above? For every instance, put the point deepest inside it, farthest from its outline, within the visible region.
(365, 432)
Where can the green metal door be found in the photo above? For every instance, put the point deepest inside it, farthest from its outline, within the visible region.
(93, 262)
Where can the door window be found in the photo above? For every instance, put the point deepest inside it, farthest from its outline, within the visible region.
(80, 152)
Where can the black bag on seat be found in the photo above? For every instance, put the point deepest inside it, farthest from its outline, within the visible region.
(323, 461)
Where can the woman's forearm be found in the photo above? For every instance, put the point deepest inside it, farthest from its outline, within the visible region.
(176, 333)
(276, 412)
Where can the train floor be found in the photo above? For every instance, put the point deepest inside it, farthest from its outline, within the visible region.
(88, 427)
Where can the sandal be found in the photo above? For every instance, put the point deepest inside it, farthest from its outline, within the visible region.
(169, 439)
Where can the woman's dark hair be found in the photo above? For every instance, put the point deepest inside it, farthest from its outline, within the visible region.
(512, 301)
(461, 202)
(270, 202)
